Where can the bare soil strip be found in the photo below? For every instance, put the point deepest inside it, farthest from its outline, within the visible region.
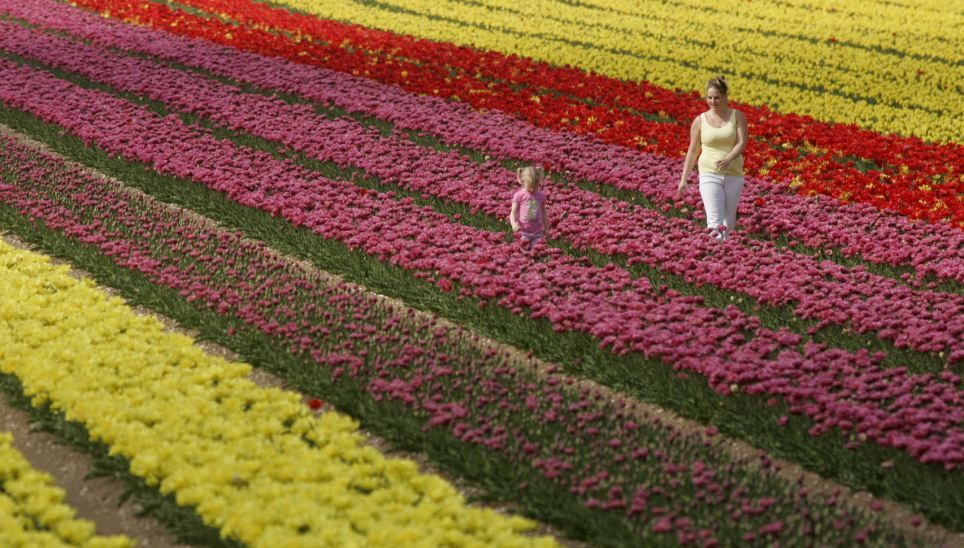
(94, 499)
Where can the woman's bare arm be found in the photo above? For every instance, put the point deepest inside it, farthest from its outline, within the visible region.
(691, 154)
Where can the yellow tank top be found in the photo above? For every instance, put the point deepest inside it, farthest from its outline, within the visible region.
(716, 144)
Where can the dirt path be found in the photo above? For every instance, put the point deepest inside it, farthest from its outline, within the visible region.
(94, 499)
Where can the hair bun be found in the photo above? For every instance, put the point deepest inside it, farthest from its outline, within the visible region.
(719, 82)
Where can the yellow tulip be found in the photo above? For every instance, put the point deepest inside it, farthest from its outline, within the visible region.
(152, 397)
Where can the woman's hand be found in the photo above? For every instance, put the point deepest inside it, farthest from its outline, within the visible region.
(722, 164)
(681, 187)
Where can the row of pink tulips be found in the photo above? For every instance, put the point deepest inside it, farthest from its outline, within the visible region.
(663, 481)
(821, 223)
(825, 291)
(918, 413)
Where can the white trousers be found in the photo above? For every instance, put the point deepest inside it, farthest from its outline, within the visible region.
(721, 194)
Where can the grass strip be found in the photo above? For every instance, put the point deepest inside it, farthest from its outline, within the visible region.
(885, 472)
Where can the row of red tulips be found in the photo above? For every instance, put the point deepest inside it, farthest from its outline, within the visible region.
(920, 180)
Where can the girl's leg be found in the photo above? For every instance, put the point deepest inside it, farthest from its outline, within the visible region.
(732, 187)
(711, 189)
(532, 238)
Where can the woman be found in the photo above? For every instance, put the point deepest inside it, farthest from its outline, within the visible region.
(719, 135)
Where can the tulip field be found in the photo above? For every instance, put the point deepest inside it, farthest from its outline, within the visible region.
(321, 189)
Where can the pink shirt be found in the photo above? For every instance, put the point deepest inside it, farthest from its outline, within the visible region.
(530, 210)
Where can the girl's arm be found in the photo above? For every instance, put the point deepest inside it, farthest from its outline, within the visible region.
(691, 154)
(513, 217)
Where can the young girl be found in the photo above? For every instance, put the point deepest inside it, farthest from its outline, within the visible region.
(528, 215)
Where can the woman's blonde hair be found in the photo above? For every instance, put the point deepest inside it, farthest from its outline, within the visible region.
(719, 83)
(530, 174)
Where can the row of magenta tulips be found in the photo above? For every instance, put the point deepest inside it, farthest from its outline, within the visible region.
(837, 389)
(660, 482)
(933, 250)
(926, 321)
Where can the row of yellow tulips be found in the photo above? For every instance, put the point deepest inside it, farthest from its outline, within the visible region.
(726, 40)
(917, 29)
(681, 45)
(33, 512)
(254, 462)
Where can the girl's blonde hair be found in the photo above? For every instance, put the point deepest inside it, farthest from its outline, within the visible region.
(530, 174)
